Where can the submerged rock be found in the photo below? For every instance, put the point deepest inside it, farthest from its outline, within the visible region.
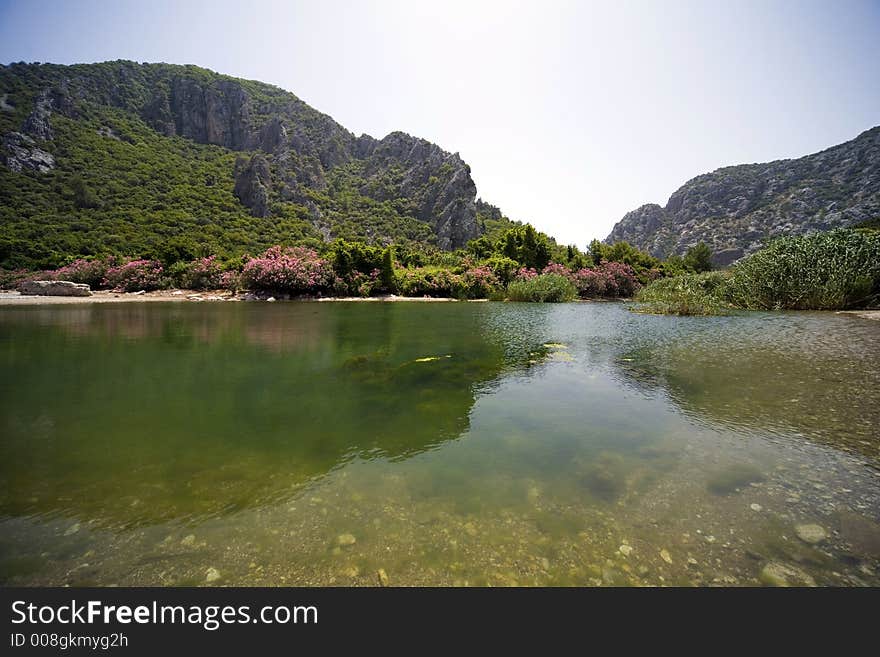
(811, 533)
(55, 289)
(382, 577)
(775, 573)
(861, 533)
(732, 478)
(344, 540)
(212, 575)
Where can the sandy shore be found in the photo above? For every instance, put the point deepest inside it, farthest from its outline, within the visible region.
(11, 298)
(866, 314)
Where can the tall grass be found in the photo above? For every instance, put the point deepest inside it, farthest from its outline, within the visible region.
(542, 288)
(688, 294)
(836, 270)
(824, 271)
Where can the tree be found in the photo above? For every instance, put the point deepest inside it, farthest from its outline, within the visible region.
(698, 258)
(542, 255)
(596, 252)
(386, 272)
(83, 196)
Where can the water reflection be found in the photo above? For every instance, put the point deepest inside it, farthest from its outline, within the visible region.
(576, 444)
(134, 414)
(810, 375)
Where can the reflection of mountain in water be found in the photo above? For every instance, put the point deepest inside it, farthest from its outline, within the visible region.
(807, 374)
(131, 414)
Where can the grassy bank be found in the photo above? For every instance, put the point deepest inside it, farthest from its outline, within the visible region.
(837, 270)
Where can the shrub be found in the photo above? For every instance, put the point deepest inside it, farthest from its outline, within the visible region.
(503, 267)
(292, 270)
(542, 288)
(556, 268)
(134, 276)
(478, 282)
(525, 274)
(609, 279)
(430, 281)
(230, 280)
(10, 278)
(688, 294)
(590, 283)
(202, 274)
(620, 278)
(822, 271)
(91, 272)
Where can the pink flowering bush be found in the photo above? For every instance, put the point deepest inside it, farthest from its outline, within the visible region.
(363, 284)
(479, 282)
(610, 279)
(203, 274)
(525, 273)
(230, 280)
(292, 270)
(590, 283)
(134, 276)
(624, 278)
(556, 268)
(10, 278)
(91, 272)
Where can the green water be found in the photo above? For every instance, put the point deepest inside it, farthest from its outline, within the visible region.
(443, 443)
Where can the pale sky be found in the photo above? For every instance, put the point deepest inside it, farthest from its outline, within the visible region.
(569, 113)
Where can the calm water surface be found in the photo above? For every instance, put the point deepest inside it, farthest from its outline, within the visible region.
(445, 444)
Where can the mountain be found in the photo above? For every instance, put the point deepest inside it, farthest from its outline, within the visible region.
(735, 210)
(128, 158)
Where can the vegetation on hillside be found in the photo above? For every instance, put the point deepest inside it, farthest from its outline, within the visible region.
(521, 263)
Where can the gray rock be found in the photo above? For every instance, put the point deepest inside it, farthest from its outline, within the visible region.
(54, 289)
(440, 181)
(775, 573)
(218, 113)
(20, 153)
(252, 183)
(36, 125)
(811, 533)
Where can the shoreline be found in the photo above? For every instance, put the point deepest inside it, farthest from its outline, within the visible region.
(13, 298)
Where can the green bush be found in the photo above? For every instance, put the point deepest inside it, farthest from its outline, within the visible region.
(698, 258)
(688, 294)
(551, 288)
(822, 271)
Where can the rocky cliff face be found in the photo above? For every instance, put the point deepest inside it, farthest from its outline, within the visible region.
(439, 183)
(735, 210)
(280, 137)
(253, 180)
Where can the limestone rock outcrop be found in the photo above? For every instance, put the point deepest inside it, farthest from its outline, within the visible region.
(737, 209)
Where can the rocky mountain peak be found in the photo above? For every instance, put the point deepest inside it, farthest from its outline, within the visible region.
(289, 150)
(737, 209)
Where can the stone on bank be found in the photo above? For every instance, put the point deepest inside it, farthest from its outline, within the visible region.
(54, 289)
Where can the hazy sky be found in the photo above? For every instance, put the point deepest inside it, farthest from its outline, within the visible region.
(569, 113)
